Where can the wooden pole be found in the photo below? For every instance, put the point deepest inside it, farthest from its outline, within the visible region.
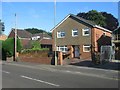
(15, 40)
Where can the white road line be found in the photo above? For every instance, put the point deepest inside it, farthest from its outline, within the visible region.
(40, 81)
(5, 72)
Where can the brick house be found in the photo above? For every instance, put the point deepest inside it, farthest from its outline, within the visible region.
(27, 38)
(44, 39)
(23, 35)
(46, 43)
(79, 38)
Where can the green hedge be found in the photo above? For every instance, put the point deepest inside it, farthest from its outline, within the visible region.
(8, 46)
(36, 47)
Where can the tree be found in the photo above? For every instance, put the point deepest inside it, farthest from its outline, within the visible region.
(35, 30)
(8, 46)
(101, 18)
(94, 16)
(111, 22)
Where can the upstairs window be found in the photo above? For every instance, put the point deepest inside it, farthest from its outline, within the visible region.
(75, 32)
(60, 34)
(86, 31)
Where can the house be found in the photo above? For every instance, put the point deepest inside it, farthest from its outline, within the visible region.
(116, 42)
(27, 38)
(44, 39)
(23, 35)
(39, 36)
(79, 38)
(3, 37)
(46, 43)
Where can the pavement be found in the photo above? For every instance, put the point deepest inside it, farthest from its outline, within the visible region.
(112, 65)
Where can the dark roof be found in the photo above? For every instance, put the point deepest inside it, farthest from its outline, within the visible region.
(46, 41)
(23, 33)
(83, 20)
(79, 19)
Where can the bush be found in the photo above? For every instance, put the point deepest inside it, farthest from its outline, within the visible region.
(36, 47)
(8, 46)
(96, 58)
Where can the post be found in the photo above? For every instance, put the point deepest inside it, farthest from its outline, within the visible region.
(61, 58)
(15, 40)
(55, 31)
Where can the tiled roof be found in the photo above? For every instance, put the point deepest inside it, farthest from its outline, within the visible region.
(84, 20)
(88, 22)
(46, 41)
(23, 33)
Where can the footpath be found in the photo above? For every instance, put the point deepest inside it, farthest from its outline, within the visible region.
(93, 71)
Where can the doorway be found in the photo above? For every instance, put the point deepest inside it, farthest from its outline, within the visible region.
(76, 51)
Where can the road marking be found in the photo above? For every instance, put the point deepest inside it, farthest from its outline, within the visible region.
(40, 81)
(72, 72)
(5, 72)
(67, 71)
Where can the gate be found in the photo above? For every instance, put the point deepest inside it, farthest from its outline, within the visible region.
(106, 53)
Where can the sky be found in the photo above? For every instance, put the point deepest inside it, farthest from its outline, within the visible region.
(41, 14)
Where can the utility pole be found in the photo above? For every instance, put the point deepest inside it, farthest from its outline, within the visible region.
(55, 31)
(15, 40)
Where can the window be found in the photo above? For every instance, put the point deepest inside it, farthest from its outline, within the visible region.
(86, 48)
(60, 34)
(86, 32)
(75, 32)
(62, 48)
(35, 37)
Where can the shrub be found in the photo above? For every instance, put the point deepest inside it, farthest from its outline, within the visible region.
(36, 45)
(96, 58)
(8, 46)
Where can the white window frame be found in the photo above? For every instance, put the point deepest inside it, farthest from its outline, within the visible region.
(84, 30)
(74, 30)
(86, 46)
(63, 47)
(59, 34)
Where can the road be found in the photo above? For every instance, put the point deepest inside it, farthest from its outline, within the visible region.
(29, 76)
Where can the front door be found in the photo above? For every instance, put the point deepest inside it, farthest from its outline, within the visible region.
(76, 51)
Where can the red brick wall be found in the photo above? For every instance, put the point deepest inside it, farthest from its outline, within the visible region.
(96, 34)
(36, 57)
(84, 55)
(44, 60)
